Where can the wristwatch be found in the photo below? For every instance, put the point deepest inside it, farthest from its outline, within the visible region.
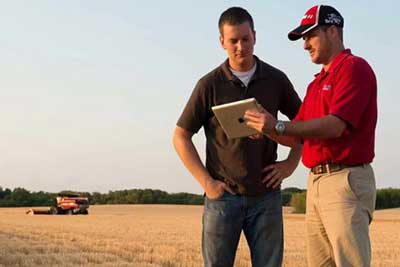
(280, 127)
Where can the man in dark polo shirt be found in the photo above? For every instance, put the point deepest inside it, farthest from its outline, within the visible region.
(337, 123)
(241, 178)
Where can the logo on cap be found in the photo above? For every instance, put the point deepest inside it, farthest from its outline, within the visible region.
(333, 18)
(307, 16)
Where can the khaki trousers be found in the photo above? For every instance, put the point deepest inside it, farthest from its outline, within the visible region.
(339, 210)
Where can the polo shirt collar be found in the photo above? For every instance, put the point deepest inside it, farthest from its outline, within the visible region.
(336, 61)
(259, 74)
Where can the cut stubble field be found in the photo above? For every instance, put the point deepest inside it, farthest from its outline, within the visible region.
(151, 236)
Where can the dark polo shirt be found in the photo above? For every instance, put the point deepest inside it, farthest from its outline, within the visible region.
(238, 162)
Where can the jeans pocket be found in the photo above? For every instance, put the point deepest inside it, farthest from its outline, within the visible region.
(218, 198)
(222, 206)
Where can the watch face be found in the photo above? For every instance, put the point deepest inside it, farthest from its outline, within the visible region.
(280, 127)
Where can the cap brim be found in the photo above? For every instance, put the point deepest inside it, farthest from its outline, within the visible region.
(297, 33)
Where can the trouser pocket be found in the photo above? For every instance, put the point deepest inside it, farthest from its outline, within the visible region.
(361, 182)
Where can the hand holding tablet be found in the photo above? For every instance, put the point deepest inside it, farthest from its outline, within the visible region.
(231, 117)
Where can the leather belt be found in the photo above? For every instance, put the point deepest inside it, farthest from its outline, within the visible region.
(328, 167)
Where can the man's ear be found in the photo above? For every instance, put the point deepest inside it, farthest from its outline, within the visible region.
(254, 34)
(221, 41)
(333, 31)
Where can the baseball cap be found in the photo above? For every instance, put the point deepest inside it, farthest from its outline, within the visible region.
(315, 16)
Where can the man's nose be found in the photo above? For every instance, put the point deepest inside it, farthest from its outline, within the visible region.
(306, 45)
(239, 45)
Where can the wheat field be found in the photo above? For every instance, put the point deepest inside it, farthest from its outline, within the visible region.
(151, 236)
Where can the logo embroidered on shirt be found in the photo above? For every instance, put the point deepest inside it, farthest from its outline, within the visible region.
(326, 87)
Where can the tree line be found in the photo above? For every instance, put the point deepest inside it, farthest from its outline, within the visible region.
(295, 197)
(20, 197)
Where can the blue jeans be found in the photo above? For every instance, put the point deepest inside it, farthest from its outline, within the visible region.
(260, 218)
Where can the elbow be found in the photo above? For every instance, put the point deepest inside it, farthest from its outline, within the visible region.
(337, 132)
(180, 135)
(336, 127)
(176, 139)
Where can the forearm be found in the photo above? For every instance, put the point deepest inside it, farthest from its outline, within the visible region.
(295, 154)
(329, 126)
(325, 127)
(290, 141)
(189, 156)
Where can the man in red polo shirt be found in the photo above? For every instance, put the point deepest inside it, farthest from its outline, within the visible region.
(336, 123)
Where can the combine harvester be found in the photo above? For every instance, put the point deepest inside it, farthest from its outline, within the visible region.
(66, 204)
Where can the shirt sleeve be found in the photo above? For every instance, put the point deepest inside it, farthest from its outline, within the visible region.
(290, 102)
(195, 112)
(355, 82)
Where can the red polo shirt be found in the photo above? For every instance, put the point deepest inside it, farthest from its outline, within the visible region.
(347, 90)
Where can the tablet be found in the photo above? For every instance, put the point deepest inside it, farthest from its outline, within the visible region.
(230, 117)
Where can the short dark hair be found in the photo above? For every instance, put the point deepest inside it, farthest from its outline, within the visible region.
(235, 16)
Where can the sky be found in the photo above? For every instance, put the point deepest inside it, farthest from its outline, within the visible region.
(90, 91)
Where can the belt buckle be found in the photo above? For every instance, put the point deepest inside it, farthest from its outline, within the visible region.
(319, 169)
(322, 168)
